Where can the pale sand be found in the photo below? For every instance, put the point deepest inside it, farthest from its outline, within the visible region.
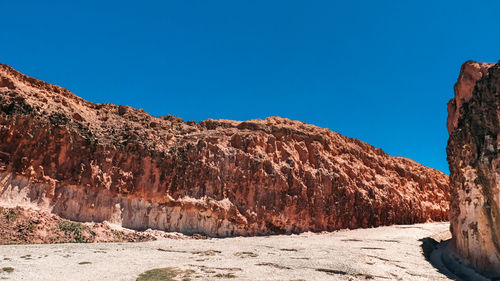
(384, 253)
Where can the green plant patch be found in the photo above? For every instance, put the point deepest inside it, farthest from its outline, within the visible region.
(10, 215)
(74, 228)
(8, 269)
(160, 274)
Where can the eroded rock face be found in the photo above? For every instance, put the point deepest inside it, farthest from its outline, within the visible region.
(473, 123)
(96, 162)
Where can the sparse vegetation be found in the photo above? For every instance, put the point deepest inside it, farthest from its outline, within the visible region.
(26, 257)
(341, 272)
(189, 271)
(351, 240)
(331, 271)
(206, 253)
(10, 215)
(207, 270)
(225, 275)
(289, 250)
(273, 265)
(74, 228)
(246, 254)
(26, 228)
(159, 274)
(166, 274)
(8, 269)
(117, 235)
(84, 262)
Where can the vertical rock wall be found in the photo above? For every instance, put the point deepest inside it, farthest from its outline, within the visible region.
(95, 162)
(473, 124)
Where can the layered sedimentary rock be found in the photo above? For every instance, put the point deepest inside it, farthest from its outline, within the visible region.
(97, 162)
(473, 124)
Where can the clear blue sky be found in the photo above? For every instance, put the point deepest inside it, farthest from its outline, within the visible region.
(380, 71)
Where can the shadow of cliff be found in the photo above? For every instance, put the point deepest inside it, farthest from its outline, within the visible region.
(439, 255)
(430, 245)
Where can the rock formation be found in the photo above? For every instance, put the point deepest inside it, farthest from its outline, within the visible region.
(27, 226)
(101, 162)
(473, 124)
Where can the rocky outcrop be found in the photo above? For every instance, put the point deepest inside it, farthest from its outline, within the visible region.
(28, 226)
(96, 162)
(473, 123)
(470, 73)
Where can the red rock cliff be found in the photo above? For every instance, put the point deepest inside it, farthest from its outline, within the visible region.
(473, 123)
(96, 162)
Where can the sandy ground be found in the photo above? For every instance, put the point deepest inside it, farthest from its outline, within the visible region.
(384, 253)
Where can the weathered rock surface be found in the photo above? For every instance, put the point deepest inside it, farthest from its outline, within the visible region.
(473, 123)
(96, 162)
